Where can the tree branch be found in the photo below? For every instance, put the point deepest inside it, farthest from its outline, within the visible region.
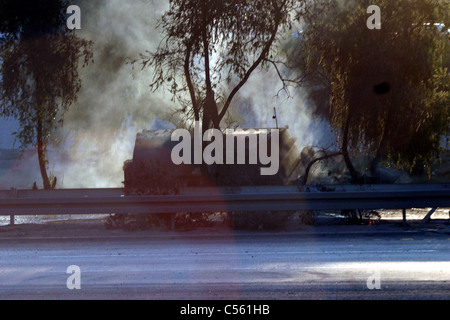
(283, 80)
(308, 168)
(190, 85)
(255, 65)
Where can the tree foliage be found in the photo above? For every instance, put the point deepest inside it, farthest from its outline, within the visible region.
(40, 70)
(212, 47)
(384, 92)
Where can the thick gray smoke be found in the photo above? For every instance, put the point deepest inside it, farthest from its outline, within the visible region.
(116, 102)
(262, 95)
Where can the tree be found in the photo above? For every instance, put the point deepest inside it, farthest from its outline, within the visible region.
(384, 92)
(212, 47)
(40, 70)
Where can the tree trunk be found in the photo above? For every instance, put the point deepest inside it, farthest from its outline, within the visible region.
(380, 151)
(348, 162)
(190, 85)
(210, 110)
(41, 149)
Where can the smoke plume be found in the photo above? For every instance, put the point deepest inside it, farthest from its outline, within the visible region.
(115, 101)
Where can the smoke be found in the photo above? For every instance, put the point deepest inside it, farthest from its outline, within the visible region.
(115, 102)
(261, 95)
(264, 103)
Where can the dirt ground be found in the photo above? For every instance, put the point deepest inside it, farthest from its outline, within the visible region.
(62, 227)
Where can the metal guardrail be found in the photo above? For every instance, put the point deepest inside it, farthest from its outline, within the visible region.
(209, 200)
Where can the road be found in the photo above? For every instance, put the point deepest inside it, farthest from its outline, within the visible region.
(228, 265)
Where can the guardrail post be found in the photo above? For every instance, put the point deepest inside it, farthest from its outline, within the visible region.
(427, 218)
(11, 220)
(404, 217)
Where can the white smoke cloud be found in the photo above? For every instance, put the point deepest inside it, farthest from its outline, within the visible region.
(115, 102)
(259, 97)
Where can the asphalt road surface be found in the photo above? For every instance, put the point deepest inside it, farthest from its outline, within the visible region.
(227, 265)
